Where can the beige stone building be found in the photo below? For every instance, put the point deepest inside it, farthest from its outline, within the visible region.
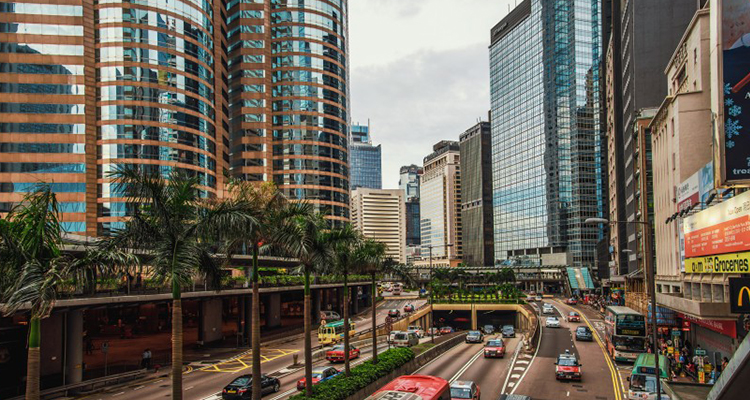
(380, 214)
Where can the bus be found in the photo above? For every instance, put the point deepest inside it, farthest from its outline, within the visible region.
(414, 387)
(625, 333)
(642, 380)
(334, 332)
(397, 288)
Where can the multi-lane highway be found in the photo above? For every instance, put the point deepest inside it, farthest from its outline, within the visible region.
(206, 381)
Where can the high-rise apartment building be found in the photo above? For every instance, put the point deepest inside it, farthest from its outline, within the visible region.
(254, 88)
(546, 137)
(476, 196)
(365, 159)
(380, 214)
(409, 183)
(642, 41)
(440, 203)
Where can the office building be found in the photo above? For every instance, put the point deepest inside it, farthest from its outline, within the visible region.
(245, 88)
(476, 196)
(546, 136)
(366, 164)
(642, 41)
(440, 204)
(409, 183)
(694, 261)
(380, 214)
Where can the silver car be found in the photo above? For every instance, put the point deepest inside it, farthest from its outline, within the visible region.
(552, 322)
(405, 339)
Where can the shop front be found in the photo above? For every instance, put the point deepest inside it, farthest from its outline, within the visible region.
(717, 337)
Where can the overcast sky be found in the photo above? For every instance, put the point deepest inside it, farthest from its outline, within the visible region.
(419, 72)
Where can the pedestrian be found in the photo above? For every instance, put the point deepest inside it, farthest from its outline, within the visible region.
(146, 359)
(724, 363)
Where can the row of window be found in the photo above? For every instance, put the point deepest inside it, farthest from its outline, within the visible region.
(309, 150)
(26, 187)
(308, 179)
(308, 62)
(16, 127)
(154, 38)
(70, 148)
(156, 133)
(155, 57)
(291, 31)
(27, 28)
(290, 164)
(309, 120)
(301, 46)
(41, 9)
(315, 194)
(309, 106)
(244, 14)
(162, 153)
(40, 88)
(302, 17)
(42, 108)
(43, 168)
(148, 75)
(308, 91)
(316, 5)
(155, 95)
(49, 49)
(188, 10)
(156, 114)
(245, 29)
(245, 44)
(105, 170)
(47, 69)
(309, 76)
(155, 19)
(310, 134)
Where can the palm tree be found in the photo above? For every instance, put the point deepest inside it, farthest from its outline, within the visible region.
(370, 255)
(347, 257)
(306, 237)
(172, 223)
(269, 209)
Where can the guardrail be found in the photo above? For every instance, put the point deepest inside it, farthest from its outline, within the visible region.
(89, 385)
(381, 326)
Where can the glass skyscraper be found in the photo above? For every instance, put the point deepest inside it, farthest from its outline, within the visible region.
(410, 176)
(546, 143)
(366, 160)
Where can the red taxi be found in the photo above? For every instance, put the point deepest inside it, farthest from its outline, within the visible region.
(574, 317)
(567, 367)
(336, 354)
(494, 348)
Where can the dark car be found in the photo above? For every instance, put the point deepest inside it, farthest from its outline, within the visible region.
(488, 329)
(242, 387)
(494, 348)
(584, 334)
(474, 337)
(319, 374)
(394, 313)
(409, 308)
(509, 331)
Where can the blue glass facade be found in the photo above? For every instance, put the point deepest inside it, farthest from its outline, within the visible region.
(366, 160)
(546, 144)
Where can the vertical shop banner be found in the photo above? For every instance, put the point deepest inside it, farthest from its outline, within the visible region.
(734, 138)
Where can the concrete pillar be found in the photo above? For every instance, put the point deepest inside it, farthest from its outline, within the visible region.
(273, 310)
(74, 349)
(340, 294)
(355, 300)
(51, 341)
(248, 300)
(316, 300)
(240, 314)
(211, 320)
(473, 317)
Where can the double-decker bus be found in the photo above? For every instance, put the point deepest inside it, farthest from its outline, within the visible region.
(414, 387)
(334, 332)
(397, 288)
(625, 333)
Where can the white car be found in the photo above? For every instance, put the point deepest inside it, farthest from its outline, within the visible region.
(416, 329)
(552, 322)
(547, 309)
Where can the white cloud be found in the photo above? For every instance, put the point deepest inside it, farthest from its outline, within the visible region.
(419, 72)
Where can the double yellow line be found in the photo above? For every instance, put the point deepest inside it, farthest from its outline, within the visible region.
(616, 382)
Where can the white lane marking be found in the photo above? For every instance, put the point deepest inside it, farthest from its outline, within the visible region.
(519, 368)
(569, 392)
(118, 394)
(465, 367)
(536, 351)
(522, 362)
(189, 387)
(515, 376)
(511, 384)
(285, 394)
(513, 360)
(139, 387)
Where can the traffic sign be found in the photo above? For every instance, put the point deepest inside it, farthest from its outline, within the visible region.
(105, 347)
(700, 352)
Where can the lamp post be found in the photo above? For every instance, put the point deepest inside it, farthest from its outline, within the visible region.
(651, 274)
(432, 315)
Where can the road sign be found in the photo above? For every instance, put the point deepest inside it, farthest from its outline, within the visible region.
(105, 347)
(700, 352)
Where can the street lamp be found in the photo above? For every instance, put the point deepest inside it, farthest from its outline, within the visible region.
(651, 273)
(432, 315)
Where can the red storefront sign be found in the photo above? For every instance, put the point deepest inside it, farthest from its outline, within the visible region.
(727, 328)
(727, 237)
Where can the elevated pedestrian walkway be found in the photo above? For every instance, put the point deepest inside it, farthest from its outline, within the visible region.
(580, 278)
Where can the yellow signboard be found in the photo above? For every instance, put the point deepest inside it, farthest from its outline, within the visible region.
(734, 263)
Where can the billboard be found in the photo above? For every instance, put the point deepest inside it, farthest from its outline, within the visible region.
(723, 228)
(692, 191)
(733, 263)
(732, 124)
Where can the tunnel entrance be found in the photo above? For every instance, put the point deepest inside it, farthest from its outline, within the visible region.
(457, 319)
(496, 318)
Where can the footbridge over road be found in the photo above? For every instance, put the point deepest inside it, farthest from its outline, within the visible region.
(539, 278)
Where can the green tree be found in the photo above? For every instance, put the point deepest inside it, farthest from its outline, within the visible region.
(370, 256)
(346, 259)
(177, 227)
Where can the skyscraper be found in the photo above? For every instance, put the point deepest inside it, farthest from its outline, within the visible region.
(257, 89)
(476, 196)
(366, 165)
(380, 214)
(410, 176)
(642, 43)
(547, 152)
(440, 203)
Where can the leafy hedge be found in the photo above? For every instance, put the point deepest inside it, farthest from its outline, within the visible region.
(340, 387)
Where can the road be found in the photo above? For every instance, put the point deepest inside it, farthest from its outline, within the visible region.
(600, 377)
(205, 382)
